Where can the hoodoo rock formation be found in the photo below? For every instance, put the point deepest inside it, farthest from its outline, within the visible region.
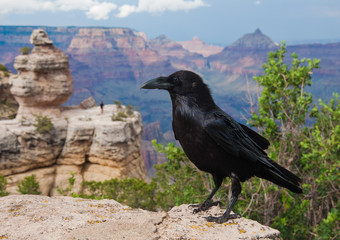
(91, 144)
(44, 80)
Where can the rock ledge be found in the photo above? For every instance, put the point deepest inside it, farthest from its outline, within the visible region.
(41, 217)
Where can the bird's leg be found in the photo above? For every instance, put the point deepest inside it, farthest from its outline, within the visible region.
(208, 203)
(236, 190)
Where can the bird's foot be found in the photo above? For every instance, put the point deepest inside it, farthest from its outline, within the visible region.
(222, 218)
(204, 206)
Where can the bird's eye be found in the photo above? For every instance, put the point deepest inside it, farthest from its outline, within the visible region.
(176, 80)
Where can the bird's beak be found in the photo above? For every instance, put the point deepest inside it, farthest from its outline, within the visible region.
(157, 83)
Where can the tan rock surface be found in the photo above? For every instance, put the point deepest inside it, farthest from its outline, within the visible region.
(22, 148)
(39, 217)
(44, 80)
(45, 177)
(83, 141)
(181, 223)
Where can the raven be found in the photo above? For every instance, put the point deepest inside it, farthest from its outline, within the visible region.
(215, 142)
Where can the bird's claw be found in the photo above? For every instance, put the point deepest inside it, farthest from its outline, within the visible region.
(204, 206)
(222, 218)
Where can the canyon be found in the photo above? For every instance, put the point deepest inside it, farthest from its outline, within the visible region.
(111, 63)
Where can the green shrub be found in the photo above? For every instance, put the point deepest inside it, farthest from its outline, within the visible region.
(135, 193)
(311, 151)
(29, 186)
(129, 110)
(3, 183)
(120, 116)
(4, 70)
(43, 124)
(118, 103)
(68, 190)
(25, 50)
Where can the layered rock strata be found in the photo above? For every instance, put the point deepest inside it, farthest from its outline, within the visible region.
(44, 80)
(86, 142)
(91, 144)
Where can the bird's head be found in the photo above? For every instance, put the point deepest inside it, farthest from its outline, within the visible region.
(185, 83)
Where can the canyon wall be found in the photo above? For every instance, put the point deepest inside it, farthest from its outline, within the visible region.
(51, 141)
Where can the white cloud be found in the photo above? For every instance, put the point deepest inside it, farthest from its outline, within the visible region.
(158, 6)
(96, 9)
(70, 5)
(126, 10)
(25, 7)
(101, 11)
(258, 2)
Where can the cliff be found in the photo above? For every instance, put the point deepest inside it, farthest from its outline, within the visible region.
(39, 217)
(51, 141)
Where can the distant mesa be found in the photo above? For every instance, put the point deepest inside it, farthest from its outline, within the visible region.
(196, 45)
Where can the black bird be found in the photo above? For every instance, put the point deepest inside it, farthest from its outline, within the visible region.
(215, 142)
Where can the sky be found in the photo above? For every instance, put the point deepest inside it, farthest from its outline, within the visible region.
(213, 21)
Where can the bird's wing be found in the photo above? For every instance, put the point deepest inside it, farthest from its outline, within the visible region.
(227, 133)
(261, 141)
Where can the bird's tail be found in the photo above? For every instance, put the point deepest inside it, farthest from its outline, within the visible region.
(282, 177)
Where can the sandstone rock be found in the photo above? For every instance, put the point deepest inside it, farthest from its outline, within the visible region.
(44, 80)
(181, 223)
(62, 174)
(39, 37)
(39, 217)
(109, 148)
(85, 142)
(45, 177)
(22, 148)
(96, 172)
(78, 142)
(88, 103)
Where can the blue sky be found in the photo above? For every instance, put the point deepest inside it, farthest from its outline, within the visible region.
(214, 21)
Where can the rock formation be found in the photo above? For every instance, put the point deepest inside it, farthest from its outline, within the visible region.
(40, 217)
(84, 141)
(44, 80)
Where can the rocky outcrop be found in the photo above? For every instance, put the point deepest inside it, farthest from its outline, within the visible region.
(51, 141)
(39, 217)
(86, 142)
(44, 80)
